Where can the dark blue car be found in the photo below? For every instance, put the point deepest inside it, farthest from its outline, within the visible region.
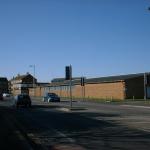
(51, 97)
(22, 100)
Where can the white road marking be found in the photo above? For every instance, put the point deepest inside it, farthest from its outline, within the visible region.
(147, 107)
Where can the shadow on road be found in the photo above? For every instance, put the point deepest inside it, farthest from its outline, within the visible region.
(48, 127)
(45, 106)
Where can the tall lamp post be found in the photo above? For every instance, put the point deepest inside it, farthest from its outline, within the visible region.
(33, 66)
(145, 86)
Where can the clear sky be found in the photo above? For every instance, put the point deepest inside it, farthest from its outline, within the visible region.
(97, 37)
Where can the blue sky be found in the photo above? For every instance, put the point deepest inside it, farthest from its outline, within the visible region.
(97, 37)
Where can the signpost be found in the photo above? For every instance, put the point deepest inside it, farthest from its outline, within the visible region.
(83, 87)
(69, 77)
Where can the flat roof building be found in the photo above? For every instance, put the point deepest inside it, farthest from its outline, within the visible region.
(131, 86)
(111, 87)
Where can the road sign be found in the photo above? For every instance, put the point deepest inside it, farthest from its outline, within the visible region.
(68, 72)
(82, 81)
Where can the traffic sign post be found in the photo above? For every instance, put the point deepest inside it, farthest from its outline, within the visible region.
(69, 77)
(82, 81)
(83, 87)
(68, 72)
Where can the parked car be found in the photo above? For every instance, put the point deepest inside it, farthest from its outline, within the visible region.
(51, 97)
(6, 95)
(1, 97)
(22, 100)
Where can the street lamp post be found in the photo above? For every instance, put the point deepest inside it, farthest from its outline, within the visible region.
(33, 66)
(145, 86)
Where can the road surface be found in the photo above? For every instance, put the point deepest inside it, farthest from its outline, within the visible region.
(90, 126)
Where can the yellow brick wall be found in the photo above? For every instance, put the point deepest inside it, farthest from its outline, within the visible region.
(105, 90)
(101, 90)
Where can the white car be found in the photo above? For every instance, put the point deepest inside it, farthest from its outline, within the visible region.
(6, 95)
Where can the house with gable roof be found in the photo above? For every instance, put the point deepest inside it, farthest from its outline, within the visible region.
(22, 83)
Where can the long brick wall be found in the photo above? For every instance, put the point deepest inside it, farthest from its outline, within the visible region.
(105, 90)
(115, 90)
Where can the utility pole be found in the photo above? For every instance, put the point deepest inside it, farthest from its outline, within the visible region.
(145, 86)
(70, 86)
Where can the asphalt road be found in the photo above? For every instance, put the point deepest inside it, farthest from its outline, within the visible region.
(88, 126)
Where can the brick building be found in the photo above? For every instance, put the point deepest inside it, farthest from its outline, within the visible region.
(39, 89)
(112, 87)
(22, 83)
(3, 85)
